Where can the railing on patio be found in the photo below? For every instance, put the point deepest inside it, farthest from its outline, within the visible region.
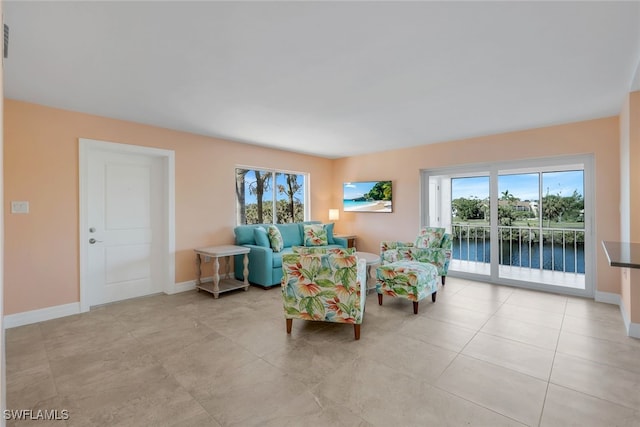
(560, 249)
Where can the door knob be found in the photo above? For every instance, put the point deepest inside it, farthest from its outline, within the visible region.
(92, 241)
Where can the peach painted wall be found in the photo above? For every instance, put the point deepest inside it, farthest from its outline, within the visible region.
(630, 208)
(402, 166)
(41, 166)
(625, 203)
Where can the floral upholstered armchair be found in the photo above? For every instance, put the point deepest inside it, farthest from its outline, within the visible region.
(433, 245)
(326, 286)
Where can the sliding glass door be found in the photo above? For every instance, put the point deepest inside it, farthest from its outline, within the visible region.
(521, 223)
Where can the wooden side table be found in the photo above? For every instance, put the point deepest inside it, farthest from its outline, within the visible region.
(351, 239)
(227, 283)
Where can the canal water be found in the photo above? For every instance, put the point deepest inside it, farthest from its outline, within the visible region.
(512, 254)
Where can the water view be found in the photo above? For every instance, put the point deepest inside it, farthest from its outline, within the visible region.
(569, 259)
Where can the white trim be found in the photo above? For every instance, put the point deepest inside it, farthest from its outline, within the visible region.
(168, 156)
(41, 315)
(633, 329)
(608, 298)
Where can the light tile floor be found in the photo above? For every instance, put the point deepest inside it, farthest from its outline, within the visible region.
(481, 355)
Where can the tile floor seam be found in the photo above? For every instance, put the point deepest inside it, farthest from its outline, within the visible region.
(553, 361)
(602, 338)
(58, 328)
(596, 362)
(594, 396)
(513, 340)
(465, 346)
(53, 377)
(475, 403)
(481, 327)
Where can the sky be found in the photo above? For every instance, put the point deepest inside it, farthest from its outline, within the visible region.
(522, 186)
(250, 179)
(353, 190)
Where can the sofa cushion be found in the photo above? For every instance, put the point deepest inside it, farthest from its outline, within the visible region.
(291, 234)
(275, 237)
(329, 230)
(244, 235)
(261, 237)
(315, 235)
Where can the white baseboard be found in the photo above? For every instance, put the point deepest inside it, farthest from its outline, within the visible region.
(40, 315)
(48, 313)
(189, 285)
(608, 298)
(633, 329)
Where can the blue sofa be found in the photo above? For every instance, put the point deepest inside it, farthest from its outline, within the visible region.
(265, 265)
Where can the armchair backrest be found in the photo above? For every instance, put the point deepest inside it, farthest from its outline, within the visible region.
(430, 237)
(327, 287)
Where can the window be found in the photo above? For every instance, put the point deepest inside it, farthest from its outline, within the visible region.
(270, 196)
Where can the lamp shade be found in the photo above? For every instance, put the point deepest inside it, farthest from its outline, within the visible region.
(334, 214)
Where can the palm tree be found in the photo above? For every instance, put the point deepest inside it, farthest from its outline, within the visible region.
(290, 189)
(241, 207)
(258, 188)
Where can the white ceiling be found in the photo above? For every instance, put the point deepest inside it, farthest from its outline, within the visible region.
(328, 78)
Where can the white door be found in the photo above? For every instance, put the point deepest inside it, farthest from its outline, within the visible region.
(124, 217)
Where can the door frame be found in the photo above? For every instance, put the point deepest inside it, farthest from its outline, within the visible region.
(87, 146)
(588, 162)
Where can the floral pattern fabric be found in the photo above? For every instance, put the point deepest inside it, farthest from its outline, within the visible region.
(328, 287)
(408, 251)
(430, 237)
(275, 238)
(306, 250)
(315, 235)
(407, 279)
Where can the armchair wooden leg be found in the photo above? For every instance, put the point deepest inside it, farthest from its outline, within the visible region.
(415, 307)
(443, 277)
(379, 299)
(433, 296)
(356, 331)
(289, 324)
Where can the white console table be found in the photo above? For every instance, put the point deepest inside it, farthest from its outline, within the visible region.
(227, 283)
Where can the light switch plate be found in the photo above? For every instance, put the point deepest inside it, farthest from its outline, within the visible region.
(19, 207)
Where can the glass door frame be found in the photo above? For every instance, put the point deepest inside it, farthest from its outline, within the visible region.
(584, 162)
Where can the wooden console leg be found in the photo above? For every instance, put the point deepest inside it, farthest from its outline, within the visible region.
(379, 299)
(433, 296)
(289, 324)
(356, 331)
(415, 307)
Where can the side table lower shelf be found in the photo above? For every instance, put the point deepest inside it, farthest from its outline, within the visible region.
(225, 285)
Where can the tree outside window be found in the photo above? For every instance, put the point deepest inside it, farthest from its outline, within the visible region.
(267, 196)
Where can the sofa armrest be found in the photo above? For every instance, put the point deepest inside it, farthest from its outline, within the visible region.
(340, 241)
(436, 256)
(260, 265)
